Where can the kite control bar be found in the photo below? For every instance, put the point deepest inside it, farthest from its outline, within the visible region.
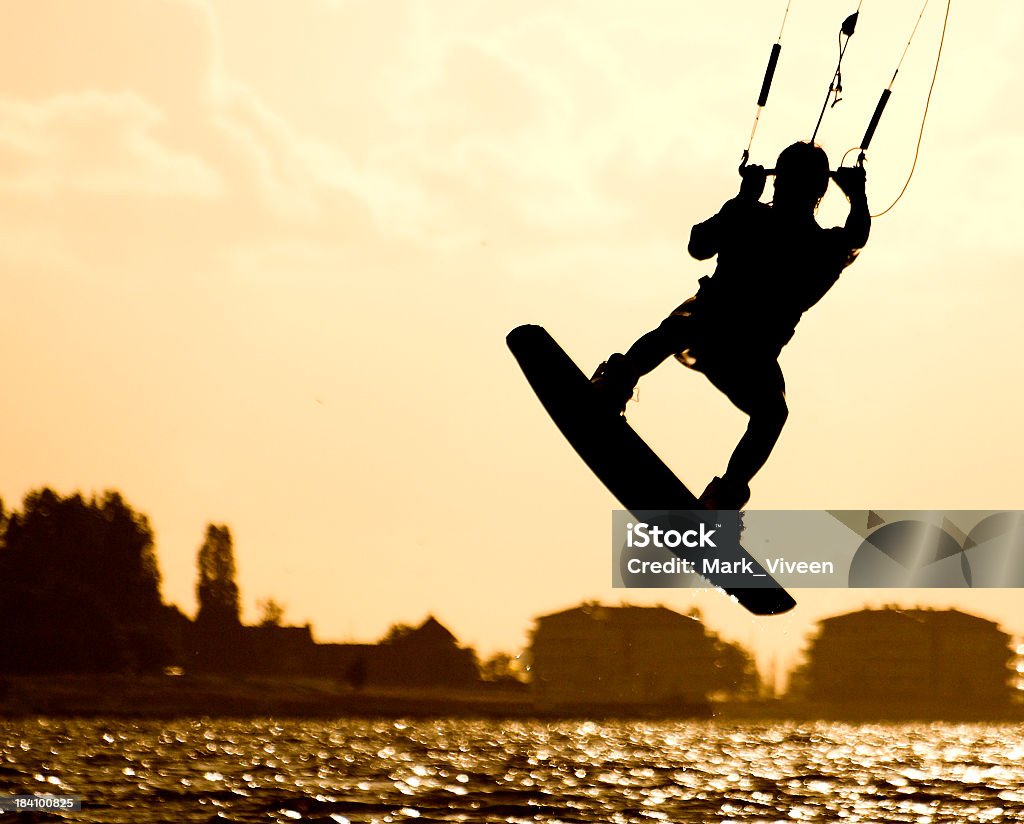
(770, 172)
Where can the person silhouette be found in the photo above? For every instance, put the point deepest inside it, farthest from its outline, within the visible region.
(774, 263)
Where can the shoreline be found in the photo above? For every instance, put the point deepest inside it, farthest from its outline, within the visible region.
(247, 696)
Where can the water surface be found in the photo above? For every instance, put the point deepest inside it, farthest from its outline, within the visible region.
(431, 771)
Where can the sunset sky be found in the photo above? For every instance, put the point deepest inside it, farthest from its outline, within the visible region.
(259, 260)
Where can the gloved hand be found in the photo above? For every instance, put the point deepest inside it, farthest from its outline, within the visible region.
(851, 180)
(752, 186)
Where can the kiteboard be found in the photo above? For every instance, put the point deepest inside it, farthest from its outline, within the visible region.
(617, 455)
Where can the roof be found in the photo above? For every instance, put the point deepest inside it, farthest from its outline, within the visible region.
(434, 630)
(431, 631)
(594, 611)
(944, 617)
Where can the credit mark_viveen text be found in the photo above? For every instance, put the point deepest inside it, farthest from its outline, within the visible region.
(718, 566)
(643, 535)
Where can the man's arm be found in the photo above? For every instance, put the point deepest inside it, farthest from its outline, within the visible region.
(706, 237)
(858, 223)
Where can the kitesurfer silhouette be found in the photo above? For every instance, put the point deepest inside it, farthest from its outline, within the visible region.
(774, 263)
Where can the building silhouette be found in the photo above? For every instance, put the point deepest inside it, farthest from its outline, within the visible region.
(428, 655)
(279, 650)
(904, 663)
(345, 663)
(625, 657)
(425, 656)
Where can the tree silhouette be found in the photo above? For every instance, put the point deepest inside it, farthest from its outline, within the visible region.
(271, 612)
(102, 545)
(735, 671)
(84, 586)
(219, 642)
(502, 668)
(397, 632)
(219, 605)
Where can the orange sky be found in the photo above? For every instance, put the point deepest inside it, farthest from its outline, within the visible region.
(259, 261)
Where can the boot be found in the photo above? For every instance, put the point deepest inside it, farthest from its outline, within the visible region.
(615, 380)
(722, 493)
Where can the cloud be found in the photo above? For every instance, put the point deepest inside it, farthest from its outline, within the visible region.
(163, 50)
(530, 125)
(121, 130)
(94, 142)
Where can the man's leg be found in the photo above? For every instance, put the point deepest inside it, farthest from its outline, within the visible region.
(763, 430)
(758, 389)
(670, 338)
(617, 377)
